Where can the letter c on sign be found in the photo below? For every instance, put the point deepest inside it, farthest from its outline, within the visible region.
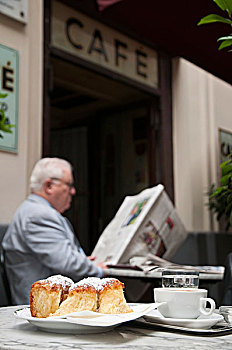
(70, 22)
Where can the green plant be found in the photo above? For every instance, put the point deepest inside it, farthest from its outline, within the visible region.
(225, 5)
(5, 125)
(220, 198)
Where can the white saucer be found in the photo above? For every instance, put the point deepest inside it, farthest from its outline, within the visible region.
(202, 322)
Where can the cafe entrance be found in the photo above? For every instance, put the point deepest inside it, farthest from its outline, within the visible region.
(106, 110)
(102, 127)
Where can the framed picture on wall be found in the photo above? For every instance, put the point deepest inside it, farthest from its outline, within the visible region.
(9, 67)
(225, 144)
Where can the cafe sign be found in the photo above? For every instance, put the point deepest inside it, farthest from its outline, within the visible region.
(90, 40)
(9, 62)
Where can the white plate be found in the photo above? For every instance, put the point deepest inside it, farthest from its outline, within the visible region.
(202, 322)
(85, 321)
(58, 325)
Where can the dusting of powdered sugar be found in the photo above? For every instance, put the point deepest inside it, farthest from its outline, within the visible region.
(86, 282)
(95, 282)
(60, 280)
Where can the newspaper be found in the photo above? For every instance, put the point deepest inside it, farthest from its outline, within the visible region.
(152, 262)
(145, 223)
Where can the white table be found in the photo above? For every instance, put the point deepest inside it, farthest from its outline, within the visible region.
(19, 334)
(121, 272)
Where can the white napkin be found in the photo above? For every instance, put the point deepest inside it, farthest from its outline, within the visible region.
(90, 318)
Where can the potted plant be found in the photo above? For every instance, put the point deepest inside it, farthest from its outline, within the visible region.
(220, 197)
(5, 125)
(226, 6)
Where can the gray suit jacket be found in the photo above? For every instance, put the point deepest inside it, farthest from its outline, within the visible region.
(39, 243)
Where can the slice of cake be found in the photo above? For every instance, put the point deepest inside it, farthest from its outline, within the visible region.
(82, 296)
(58, 295)
(111, 297)
(47, 295)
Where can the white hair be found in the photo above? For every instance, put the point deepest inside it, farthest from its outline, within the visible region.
(47, 168)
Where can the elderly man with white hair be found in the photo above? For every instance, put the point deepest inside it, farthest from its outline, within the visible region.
(40, 242)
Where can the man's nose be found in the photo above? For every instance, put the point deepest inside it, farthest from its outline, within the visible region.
(73, 191)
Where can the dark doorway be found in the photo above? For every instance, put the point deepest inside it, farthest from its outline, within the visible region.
(102, 127)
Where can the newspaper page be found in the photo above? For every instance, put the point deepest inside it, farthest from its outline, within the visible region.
(145, 223)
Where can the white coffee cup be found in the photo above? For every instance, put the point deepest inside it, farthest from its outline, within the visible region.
(183, 302)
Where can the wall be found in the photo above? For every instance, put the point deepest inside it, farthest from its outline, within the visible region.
(15, 168)
(202, 104)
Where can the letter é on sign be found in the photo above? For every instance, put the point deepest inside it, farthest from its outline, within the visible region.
(7, 78)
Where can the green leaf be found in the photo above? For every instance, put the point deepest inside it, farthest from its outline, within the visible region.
(214, 18)
(225, 163)
(3, 116)
(225, 5)
(229, 199)
(228, 6)
(226, 169)
(217, 191)
(221, 4)
(3, 95)
(224, 179)
(225, 44)
(228, 208)
(231, 218)
(225, 38)
(6, 128)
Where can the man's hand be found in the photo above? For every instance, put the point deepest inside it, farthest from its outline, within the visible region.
(101, 264)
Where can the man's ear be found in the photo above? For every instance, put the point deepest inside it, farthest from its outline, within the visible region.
(47, 186)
